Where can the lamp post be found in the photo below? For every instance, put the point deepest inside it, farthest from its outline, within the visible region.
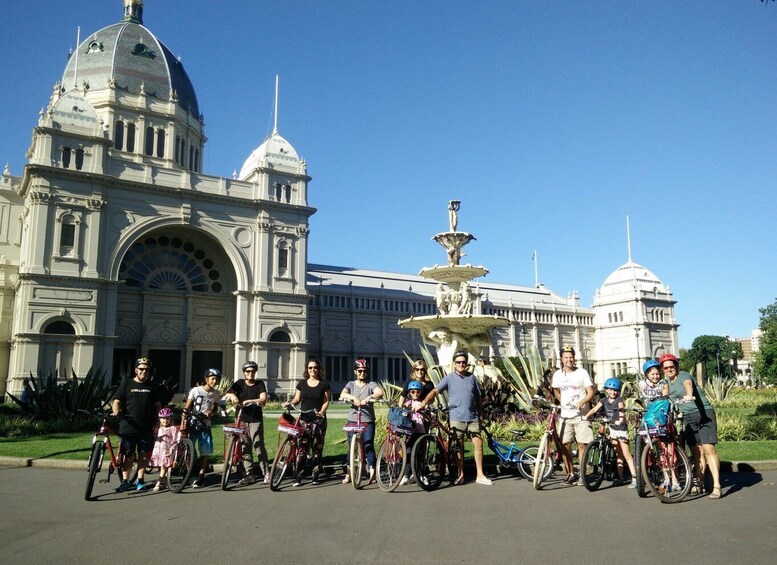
(636, 337)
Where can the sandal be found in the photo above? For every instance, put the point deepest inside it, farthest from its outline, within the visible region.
(459, 481)
(715, 493)
(346, 480)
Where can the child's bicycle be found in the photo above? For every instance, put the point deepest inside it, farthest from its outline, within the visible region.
(599, 460)
(184, 454)
(513, 457)
(292, 452)
(233, 454)
(436, 451)
(100, 443)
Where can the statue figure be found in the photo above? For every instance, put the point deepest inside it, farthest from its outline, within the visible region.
(453, 214)
(442, 299)
(465, 304)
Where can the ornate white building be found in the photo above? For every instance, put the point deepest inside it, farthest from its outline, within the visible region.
(114, 244)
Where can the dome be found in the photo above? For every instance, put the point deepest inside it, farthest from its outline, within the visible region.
(72, 112)
(624, 278)
(275, 150)
(128, 56)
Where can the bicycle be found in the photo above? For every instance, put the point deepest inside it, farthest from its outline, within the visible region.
(356, 454)
(665, 466)
(599, 460)
(548, 456)
(292, 452)
(233, 455)
(392, 458)
(639, 444)
(436, 451)
(184, 454)
(513, 457)
(101, 441)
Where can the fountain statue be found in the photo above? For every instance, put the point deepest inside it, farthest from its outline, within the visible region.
(456, 326)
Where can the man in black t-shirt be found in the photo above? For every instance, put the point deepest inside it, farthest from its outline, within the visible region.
(140, 402)
(251, 395)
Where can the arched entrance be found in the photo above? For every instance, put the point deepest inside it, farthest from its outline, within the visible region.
(176, 304)
(56, 348)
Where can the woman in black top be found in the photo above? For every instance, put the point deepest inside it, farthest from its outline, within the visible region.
(313, 393)
(421, 374)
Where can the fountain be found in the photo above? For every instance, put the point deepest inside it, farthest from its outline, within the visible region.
(455, 327)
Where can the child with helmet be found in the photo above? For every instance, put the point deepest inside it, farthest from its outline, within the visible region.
(204, 400)
(652, 386)
(415, 390)
(614, 409)
(166, 435)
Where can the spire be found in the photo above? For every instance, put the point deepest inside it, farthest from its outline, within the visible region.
(275, 112)
(75, 69)
(628, 237)
(133, 11)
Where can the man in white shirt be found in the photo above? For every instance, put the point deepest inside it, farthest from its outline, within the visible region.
(574, 389)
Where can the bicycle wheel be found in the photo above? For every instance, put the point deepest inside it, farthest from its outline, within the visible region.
(93, 467)
(667, 471)
(230, 462)
(392, 460)
(527, 460)
(282, 464)
(544, 466)
(428, 462)
(356, 461)
(183, 465)
(455, 447)
(639, 445)
(592, 464)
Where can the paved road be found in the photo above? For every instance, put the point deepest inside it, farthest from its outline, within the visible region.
(47, 520)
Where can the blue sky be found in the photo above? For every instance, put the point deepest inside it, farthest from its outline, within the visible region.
(551, 121)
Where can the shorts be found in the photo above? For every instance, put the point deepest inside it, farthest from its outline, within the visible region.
(142, 444)
(700, 428)
(575, 429)
(619, 434)
(469, 429)
(203, 440)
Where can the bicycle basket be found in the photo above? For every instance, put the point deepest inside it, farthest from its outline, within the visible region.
(287, 425)
(400, 417)
(399, 430)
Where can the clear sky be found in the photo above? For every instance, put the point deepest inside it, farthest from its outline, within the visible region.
(550, 121)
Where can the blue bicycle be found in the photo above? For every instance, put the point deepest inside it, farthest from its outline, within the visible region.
(513, 457)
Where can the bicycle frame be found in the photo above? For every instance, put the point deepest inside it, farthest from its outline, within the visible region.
(548, 458)
(437, 451)
(392, 458)
(356, 453)
(289, 454)
(101, 441)
(233, 453)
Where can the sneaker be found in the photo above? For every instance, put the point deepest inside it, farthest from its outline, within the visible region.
(675, 488)
(633, 483)
(484, 481)
(199, 483)
(404, 481)
(161, 484)
(297, 483)
(141, 485)
(124, 486)
(245, 481)
(267, 478)
(579, 482)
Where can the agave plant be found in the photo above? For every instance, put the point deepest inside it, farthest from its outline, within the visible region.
(719, 388)
(534, 379)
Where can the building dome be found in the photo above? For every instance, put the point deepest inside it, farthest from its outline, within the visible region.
(625, 277)
(128, 57)
(274, 151)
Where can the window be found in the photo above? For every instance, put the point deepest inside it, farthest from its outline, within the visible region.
(131, 138)
(118, 136)
(66, 157)
(280, 336)
(59, 327)
(79, 159)
(149, 149)
(337, 368)
(160, 142)
(283, 259)
(67, 235)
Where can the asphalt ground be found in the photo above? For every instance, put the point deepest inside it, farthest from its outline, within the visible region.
(46, 520)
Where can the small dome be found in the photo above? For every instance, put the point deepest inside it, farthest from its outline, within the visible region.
(130, 57)
(275, 150)
(72, 112)
(625, 276)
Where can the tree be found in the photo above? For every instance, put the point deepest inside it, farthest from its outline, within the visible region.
(716, 353)
(766, 359)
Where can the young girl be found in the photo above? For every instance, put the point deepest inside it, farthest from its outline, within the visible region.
(652, 386)
(165, 437)
(414, 392)
(619, 431)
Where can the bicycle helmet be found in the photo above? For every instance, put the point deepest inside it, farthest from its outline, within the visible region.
(568, 349)
(613, 383)
(143, 361)
(649, 364)
(212, 373)
(460, 354)
(414, 385)
(165, 413)
(360, 364)
(250, 365)
(669, 357)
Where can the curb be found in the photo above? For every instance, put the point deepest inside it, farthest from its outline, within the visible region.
(725, 466)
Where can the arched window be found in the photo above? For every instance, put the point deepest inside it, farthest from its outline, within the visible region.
(59, 327)
(131, 138)
(283, 259)
(79, 159)
(160, 142)
(279, 336)
(66, 152)
(149, 148)
(177, 149)
(67, 235)
(118, 136)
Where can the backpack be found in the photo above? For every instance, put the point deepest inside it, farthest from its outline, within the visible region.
(657, 413)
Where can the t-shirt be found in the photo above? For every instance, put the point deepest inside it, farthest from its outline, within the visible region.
(361, 393)
(463, 392)
(252, 412)
(428, 386)
(651, 391)
(677, 391)
(204, 401)
(139, 403)
(613, 413)
(313, 397)
(572, 386)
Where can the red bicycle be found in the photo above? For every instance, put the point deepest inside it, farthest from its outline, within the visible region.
(101, 442)
(436, 451)
(292, 452)
(357, 461)
(392, 458)
(233, 453)
(550, 450)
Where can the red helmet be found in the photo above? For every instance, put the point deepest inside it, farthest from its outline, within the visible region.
(669, 357)
(360, 364)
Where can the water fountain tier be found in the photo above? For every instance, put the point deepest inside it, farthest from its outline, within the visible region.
(453, 274)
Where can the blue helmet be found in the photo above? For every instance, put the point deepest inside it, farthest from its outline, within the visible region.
(649, 364)
(414, 385)
(613, 383)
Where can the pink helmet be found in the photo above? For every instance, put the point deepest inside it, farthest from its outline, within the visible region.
(165, 413)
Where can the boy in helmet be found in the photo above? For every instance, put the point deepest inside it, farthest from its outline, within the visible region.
(251, 395)
(614, 409)
(204, 400)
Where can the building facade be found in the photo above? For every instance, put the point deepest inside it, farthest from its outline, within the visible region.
(115, 244)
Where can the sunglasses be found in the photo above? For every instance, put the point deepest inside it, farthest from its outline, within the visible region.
(420, 369)
(361, 371)
(460, 362)
(665, 367)
(313, 368)
(415, 392)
